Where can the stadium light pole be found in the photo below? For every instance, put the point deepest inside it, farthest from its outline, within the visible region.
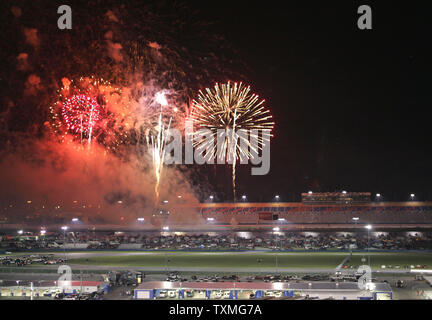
(64, 228)
(167, 260)
(276, 255)
(368, 227)
(356, 219)
(259, 264)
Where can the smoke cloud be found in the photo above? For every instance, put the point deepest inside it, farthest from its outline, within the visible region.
(86, 180)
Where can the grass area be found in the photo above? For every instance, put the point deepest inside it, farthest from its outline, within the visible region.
(243, 261)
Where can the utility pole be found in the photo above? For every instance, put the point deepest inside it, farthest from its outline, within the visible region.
(368, 247)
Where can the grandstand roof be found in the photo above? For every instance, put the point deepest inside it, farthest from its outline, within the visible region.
(300, 204)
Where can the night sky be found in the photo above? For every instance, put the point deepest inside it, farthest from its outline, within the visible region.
(350, 105)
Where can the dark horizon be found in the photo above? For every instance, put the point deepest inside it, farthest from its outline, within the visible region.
(350, 105)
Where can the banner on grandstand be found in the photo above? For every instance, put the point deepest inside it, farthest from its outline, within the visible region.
(267, 216)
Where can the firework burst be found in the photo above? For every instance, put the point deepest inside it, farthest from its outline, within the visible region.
(233, 107)
(81, 113)
(90, 109)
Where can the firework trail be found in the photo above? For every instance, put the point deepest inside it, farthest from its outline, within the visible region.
(230, 106)
(157, 145)
(157, 142)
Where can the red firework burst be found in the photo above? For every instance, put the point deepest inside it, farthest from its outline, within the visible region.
(80, 113)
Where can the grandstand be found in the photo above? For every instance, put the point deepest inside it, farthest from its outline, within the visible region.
(396, 214)
(336, 197)
(317, 211)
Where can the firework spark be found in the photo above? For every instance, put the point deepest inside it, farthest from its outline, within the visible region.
(233, 107)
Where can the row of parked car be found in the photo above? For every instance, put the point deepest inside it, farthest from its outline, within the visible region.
(222, 241)
(80, 296)
(21, 261)
(175, 277)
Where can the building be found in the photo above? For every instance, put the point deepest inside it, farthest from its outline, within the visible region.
(260, 290)
(41, 288)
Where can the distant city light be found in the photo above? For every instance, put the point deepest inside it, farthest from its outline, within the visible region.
(412, 195)
(277, 196)
(64, 228)
(20, 232)
(344, 192)
(243, 196)
(368, 226)
(355, 218)
(276, 229)
(378, 195)
(166, 228)
(310, 192)
(43, 232)
(140, 219)
(75, 219)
